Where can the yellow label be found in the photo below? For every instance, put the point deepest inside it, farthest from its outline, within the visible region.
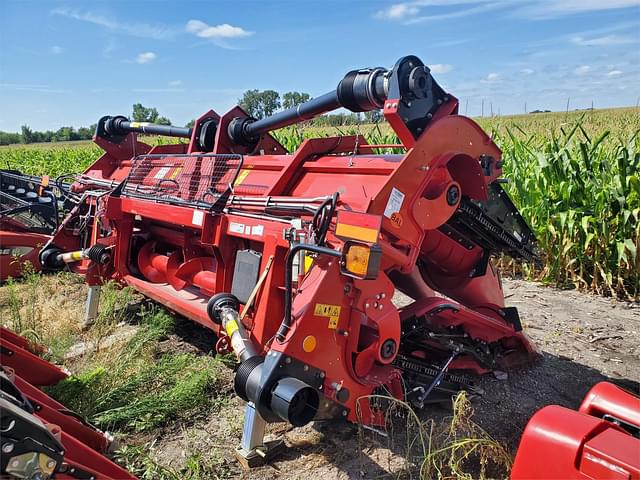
(175, 173)
(308, 261)
(331, 311)
(139, 124)
(241, 176)
(231, 327)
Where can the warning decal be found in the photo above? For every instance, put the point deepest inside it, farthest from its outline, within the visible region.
(241, 176)
(330, 311)
(161, 173)
(396, 197)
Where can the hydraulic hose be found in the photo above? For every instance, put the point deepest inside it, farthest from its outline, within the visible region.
(288, 281)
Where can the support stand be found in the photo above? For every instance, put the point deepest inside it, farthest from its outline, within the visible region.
(91, 306)
(253, 450)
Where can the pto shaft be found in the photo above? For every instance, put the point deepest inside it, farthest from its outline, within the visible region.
(119, 125)
(358, 91)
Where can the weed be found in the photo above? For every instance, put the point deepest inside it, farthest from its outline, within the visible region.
(455, 447)
(131, 390)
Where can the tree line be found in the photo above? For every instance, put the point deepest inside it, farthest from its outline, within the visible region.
(257, 103)
(139, 113)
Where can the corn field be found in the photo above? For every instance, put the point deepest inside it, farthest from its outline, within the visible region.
(575, 177)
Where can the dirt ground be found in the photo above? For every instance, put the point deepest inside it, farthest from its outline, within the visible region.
(584, 339)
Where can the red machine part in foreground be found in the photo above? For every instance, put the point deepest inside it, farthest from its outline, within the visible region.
(40, 438)
(18, 248)
(599, 441)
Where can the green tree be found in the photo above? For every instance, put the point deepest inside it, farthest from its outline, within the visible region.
(163, 121)
(260, 104)
(293, 99)
(191, 123)
(373, 116)
(26, 134)
(7, 138)
(65, 134)
(144, 114)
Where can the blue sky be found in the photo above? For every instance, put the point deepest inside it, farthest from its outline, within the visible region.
(70, 62)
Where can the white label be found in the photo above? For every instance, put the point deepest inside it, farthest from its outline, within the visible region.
(517, 235)
(236, 227)
(394, 203)
(257, 230)
(198, 217)
(162, 172)
(247, 230)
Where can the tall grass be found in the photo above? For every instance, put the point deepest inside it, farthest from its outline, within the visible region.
(581, 195)
(453, 447)
(136, 388)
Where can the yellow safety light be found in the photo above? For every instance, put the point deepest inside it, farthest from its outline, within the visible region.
(361, 260)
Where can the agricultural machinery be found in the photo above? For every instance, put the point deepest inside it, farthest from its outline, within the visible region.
(293, 258)
(31, 209)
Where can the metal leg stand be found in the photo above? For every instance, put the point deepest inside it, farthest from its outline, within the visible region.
(91, 307)
(253, 450)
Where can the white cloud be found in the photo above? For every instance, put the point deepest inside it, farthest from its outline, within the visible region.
(601, 41)
(56, 50)
(440, 68)
(614, 73)
(145, 57)
(545, 9)
(493, 77)
(399, 11)
(527, 71)
(417, 11)
(144, 30)
(222, 31)
(409, 12)
(582, 70)
(175, 83)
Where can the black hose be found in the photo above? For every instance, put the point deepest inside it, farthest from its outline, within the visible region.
(322, 218)
(288, 280)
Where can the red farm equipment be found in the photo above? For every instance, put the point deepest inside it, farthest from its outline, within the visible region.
(293, 258)
(40, 438)
(30, 211)
(600, 440)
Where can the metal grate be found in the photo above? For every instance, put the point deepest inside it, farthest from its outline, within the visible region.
(190, 179)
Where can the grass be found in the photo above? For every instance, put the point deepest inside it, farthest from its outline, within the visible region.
(453, 447)
(140, 461)
(136, 390)
(44, 309)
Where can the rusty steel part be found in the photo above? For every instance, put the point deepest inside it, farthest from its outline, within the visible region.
(601, 440)
(335, 228)
(40, 437)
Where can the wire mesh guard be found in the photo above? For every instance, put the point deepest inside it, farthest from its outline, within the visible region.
(189, 179)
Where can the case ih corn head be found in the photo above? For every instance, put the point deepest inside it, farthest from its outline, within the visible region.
(293, 258)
